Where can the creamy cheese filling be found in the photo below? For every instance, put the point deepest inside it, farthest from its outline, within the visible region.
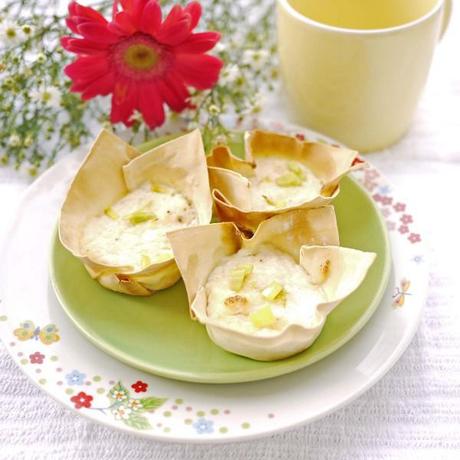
(132, 232)
(279, 183)
(261, 292)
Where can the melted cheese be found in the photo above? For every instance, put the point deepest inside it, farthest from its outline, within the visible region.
(267, 194)
(111, 238)
(297, 303)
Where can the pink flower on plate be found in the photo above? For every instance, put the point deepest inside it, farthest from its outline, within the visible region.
(371, 173)
(414, 238)
(406, 219)
(386, 200)
(370, 185)
(377, 197)
(36, 358)
(403, 229)
(399, 207)
(386, 212)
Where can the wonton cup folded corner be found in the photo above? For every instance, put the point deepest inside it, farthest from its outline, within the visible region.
(230, 176)
(111, 170)
(309, 236)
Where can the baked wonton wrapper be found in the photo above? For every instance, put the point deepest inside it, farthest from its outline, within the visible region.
(112, 169)
(310, 236)
(229, 174)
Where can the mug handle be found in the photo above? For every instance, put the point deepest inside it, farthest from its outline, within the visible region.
(447, 14)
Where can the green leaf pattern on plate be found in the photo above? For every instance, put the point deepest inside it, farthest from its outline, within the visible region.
(129, 410)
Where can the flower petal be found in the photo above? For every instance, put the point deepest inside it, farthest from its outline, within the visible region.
(194, 10)
(126, 4)
(97, 32)
(101, 86)
(72, 25)
(123, 22)
(174, 15)
(75, 9)
(199, 70)
(175, 33)
(151, 18)
(87, 68)
(174, 91)
(136, 11)
(175, 28)
(151, 106)
(124, 101)
(198, 43)
(83, 46)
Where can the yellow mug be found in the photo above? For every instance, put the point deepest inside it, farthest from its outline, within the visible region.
(355, 69)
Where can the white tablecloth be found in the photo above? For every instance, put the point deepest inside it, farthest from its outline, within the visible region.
(413, 412)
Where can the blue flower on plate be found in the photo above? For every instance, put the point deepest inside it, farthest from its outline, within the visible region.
(384, 190)
(418, 259)
(203, 426)
(75, 378)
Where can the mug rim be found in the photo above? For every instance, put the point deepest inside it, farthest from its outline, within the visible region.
(351, 31)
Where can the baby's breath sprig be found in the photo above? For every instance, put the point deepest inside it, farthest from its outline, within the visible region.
(248, 50)
(40, 117)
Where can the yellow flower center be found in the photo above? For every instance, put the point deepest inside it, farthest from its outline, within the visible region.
(10, 32)
(140, 57)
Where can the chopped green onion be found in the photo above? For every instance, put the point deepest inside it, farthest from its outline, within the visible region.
(238, 275)
(263, 317)
(139, 217)
(289, 180)
(109, 212)
(272, 291)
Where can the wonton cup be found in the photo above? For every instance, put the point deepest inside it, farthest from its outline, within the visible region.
(112, 169)
(229, 174)
(309, 236)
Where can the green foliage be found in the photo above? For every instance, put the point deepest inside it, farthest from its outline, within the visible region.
(151, 403)
(137, 421)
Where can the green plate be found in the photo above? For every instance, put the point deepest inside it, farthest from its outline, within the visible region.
(156, 334)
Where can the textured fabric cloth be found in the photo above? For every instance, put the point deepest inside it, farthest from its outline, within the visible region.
(413, 412)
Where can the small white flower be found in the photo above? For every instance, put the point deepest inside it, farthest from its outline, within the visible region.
(220, 47)
(10, 33)
(134, 404)
(121, 413)
(14, 140)
(255, 58)
(136, 116)
(229, 74)
(214, 110)
(41, 58)
(27, 30)
(118, 395)
(50, 96)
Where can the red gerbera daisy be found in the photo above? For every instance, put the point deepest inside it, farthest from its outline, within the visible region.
(142, 61)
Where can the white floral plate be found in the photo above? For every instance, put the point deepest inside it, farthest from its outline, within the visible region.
(45, 344)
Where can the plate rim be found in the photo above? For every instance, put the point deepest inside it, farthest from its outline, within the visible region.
(397, 351)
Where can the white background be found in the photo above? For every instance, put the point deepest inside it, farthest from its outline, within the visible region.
(413, 412)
